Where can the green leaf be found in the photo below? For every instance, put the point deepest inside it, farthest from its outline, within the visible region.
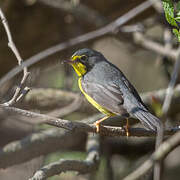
(177, 18)
(169, 12)
(176, 33)
(178, 14)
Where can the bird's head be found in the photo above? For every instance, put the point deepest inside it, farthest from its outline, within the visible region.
(84, 60)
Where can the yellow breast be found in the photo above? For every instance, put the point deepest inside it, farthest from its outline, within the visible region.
(93, 102)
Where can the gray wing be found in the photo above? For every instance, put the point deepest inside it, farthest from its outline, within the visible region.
(109, 96)
(132, 89)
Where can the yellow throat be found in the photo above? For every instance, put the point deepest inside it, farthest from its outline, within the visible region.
(79, 68)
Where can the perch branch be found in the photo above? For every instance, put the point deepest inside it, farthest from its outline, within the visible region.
(76, 126)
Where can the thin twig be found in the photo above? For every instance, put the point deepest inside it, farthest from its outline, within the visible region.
(108, 29)
(140, 39)
(18, 94)
(170, 89)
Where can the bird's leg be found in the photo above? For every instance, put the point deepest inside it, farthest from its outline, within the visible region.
(127, 127)
(97, 123)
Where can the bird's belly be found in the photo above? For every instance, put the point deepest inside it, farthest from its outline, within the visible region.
(94, 103)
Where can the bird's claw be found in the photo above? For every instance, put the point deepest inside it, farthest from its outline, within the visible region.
(97, 124)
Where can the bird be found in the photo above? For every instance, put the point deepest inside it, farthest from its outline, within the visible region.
(106, 87)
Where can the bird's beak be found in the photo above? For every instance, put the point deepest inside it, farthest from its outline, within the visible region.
(68, 61)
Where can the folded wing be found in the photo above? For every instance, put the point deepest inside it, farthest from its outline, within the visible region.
(109, 96)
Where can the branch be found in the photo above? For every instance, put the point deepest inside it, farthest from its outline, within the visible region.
(80, 11)
(20, 91)
(62, 166)
(76, 126)
(81, 166)
(140, 39)
(38, 144)
(158, 6)
(170, 89)
(164, 149)
(108, 29)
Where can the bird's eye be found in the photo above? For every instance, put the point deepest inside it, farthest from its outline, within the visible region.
(83, 57)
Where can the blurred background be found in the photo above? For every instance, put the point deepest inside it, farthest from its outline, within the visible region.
(39, 24)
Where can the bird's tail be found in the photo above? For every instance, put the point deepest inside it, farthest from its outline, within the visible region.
(150, 121)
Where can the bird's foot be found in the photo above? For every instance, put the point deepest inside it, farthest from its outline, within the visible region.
(97, 124)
